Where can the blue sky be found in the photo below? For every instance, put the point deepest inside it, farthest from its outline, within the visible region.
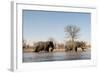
(41, 25)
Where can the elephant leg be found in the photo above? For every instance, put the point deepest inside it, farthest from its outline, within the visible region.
(76, 49)
(52, 50)
(47, 49)
(37, 49)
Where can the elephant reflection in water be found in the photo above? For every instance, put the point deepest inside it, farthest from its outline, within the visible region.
(47, 46)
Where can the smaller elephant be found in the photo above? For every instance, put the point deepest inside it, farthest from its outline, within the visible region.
(44, 46)
(77, 44)
(81, 45)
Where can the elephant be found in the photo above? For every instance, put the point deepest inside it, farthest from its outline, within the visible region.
(77, 44)
(81, 45)
(47, 46)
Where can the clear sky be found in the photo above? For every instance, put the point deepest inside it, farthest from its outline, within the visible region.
(41, 25)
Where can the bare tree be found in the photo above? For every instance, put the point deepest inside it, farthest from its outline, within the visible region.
(72, 32)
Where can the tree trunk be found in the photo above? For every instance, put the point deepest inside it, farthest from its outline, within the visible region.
(73, 45)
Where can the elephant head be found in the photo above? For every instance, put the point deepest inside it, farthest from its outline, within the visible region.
(50, 45)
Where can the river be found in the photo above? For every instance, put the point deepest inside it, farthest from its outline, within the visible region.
(56, 56)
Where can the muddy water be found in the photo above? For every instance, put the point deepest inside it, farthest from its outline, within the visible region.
(56, 56)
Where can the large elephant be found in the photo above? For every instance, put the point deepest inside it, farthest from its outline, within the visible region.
(47, 46)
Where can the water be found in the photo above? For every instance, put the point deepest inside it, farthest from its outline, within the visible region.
(56, 56)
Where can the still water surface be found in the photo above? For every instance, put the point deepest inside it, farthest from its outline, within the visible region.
(56, 56)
